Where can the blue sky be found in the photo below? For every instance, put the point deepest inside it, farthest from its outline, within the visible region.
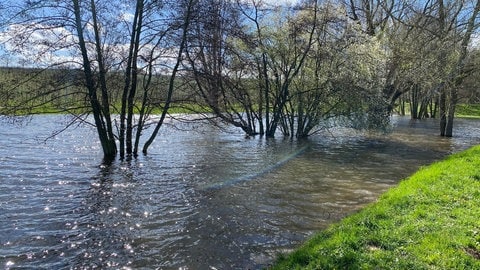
(39, 41)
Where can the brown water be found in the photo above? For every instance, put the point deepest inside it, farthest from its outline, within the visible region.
(202, 199)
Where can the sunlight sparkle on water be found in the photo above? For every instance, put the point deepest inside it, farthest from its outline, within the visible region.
(207, 200)
(128, 247)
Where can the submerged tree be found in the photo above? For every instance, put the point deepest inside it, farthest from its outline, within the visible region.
(264, 69)
(285, 53)
(341, 79)
(430, 49)
(100, 109)
(217, 71)
(288, 69)
(108, 44)
(449, 87)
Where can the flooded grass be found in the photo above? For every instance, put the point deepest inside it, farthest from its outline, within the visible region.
(430, 221)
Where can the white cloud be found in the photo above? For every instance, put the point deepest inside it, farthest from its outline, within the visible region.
(35, 45)
(38, 44)
(273, 2)
(281, 2)
(127, 16)
(475, 41)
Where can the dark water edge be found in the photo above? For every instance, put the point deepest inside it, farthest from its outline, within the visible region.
(202, 198)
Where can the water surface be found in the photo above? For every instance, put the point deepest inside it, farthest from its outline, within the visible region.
(202, 199)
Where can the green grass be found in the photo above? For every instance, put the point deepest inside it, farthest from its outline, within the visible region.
(429, 221)
(468, 110)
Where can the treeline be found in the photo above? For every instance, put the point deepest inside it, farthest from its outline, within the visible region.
(267, 69)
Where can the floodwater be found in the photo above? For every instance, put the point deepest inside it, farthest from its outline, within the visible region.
(203, 198)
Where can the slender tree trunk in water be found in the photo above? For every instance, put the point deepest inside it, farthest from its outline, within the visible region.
(402, 106)
(451, 113)
(414, 102)
(108, 143)
(433, 108)
(181, 48)
(126, 110)
(143, 109)
(442, 106)
(103, 80)
(260, 109)
(267, 91)
(442, 62)
(263, 70)
(133, 88)
(448, 102)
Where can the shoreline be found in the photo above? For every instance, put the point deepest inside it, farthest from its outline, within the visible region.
(428, 221)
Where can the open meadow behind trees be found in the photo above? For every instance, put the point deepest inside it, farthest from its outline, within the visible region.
(430, 221)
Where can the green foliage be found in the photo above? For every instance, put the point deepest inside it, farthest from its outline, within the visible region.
(430, 221)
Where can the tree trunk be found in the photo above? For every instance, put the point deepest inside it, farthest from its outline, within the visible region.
(449, 92)
(108, 143)
(134, 76)
(181, 48)
(442, 17)
(102, 78)
(433, 107)
(451, 113)
(442, 106)
(143, 110)
(130, 84)
(414, 96)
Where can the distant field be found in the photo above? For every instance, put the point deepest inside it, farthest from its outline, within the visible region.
(468, 110)
(36, 91)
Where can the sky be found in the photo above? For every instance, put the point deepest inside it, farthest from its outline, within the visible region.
(40, 40)
(281, 1)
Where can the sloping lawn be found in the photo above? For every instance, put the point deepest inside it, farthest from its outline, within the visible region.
(429, 221)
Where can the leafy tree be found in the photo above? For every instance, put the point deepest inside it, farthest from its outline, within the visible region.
(449, 87)
(256, 66)
(287, 68)
(431, 49)
(342, 78)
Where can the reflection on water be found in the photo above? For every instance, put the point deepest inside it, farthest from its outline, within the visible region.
(202, 199)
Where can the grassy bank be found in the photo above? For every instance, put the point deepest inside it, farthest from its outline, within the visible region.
(429, 221)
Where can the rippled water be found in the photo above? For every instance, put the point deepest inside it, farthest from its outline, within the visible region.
(202, 198)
